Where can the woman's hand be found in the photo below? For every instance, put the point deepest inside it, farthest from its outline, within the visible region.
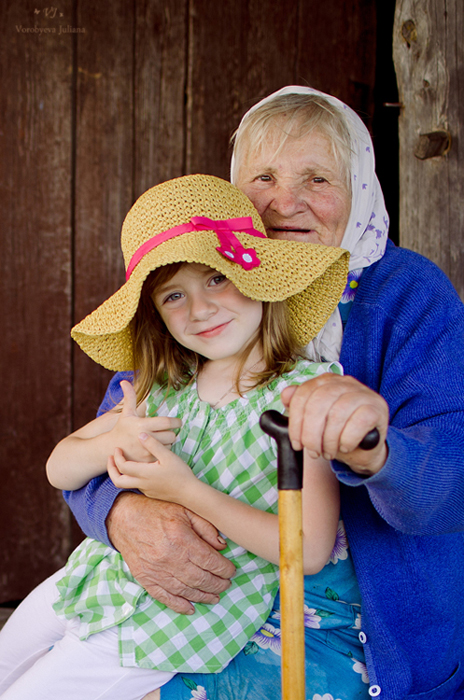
(165, 479)
(126, 431)
(331, 414)
(173, 553)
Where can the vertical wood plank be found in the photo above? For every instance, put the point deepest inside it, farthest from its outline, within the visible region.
(35, 306)
(429, 60)
(336, 51)
(247, 50)
(214, 56)
(268, 32)
(235, 58)
(160, 77)
(104, 174)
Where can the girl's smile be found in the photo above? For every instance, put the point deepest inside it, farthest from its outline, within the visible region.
(206, 313)
(216, 330)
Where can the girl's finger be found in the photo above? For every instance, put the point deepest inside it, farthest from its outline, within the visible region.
(154, 446)
(166, 437)
(113, 471)
(119, 460)
(129, 404)
(121, 481)
(118, 464)
(155, 424)
(126, 467)
(111, 467)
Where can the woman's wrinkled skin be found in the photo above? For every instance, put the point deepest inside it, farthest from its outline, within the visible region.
(299, 191)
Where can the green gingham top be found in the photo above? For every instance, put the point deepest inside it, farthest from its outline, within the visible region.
(227, 449)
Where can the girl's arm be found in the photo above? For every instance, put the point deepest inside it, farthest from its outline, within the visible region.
(170, 479)
(84, 454)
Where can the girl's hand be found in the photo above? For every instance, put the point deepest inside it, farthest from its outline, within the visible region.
(166, 479)
(126, 431)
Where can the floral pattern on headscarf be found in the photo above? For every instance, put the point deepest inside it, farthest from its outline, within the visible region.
(367, 229)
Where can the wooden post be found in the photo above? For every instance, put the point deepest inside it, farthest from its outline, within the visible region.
(428, 52)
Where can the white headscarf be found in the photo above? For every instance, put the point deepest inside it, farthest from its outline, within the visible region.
(367, 229)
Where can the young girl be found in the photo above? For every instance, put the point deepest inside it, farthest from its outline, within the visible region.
(201, 319)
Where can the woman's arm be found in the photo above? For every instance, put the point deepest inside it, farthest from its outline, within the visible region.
(92, 503)
(404, 339)
(172, 480)
(84, 454)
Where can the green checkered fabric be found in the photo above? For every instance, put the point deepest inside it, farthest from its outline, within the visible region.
(227, 449)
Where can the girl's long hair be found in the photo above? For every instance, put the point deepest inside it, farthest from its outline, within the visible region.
(160, 359)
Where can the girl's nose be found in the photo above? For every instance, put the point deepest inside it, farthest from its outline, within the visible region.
(201, 308)
(288, 201)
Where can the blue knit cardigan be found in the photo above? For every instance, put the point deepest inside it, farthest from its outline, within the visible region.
(405, 339)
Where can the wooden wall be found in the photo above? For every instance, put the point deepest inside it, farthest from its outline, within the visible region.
(146, 91)
(429, 61)
(36, 292)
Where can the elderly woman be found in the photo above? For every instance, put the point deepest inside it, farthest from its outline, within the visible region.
(306, 161)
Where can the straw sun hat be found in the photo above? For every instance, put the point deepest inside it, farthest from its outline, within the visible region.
(203, 219)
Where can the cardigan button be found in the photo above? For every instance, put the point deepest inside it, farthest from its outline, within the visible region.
(362, 637)
(374, 691)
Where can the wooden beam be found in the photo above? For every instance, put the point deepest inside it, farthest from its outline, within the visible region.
(160, 68)
(428, 50)
(103, 175)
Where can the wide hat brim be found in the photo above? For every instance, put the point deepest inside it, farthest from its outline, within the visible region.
(310, 277)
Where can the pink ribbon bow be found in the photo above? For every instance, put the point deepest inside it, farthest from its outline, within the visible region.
(230, 247)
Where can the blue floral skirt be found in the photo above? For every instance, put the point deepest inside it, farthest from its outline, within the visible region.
(334, 657)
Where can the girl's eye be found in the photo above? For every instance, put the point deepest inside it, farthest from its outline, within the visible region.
(217, 279)
(175, 296)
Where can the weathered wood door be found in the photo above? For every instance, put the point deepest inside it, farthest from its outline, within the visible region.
(100, 101)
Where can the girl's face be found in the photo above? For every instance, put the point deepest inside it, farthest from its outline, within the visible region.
(206, 313)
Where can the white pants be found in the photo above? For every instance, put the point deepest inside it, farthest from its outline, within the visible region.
(72, 669)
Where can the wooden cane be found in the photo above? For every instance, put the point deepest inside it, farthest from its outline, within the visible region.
(290, 483)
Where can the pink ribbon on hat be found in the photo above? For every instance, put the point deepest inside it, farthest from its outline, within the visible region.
(230, 247)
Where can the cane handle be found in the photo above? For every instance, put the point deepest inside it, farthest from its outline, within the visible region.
(289, 462)
(290, 473)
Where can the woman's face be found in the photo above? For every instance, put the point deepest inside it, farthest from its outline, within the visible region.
(300, 193)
